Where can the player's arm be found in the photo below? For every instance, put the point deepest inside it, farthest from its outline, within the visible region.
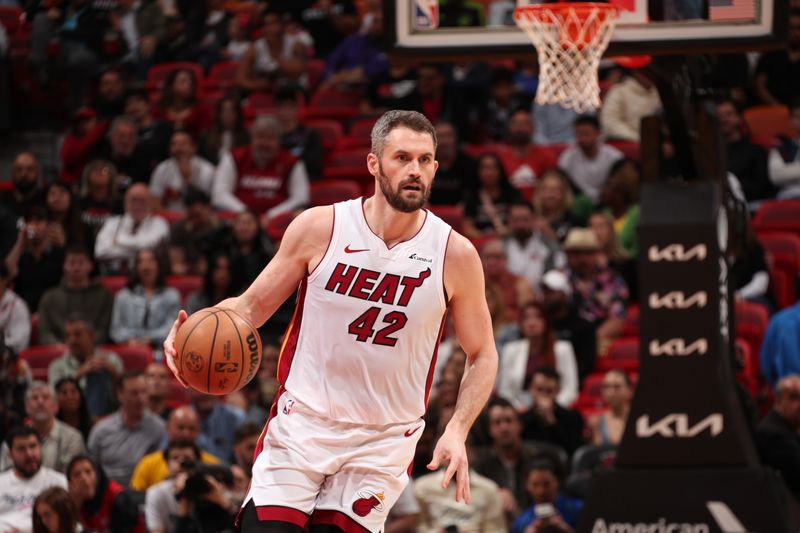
(302, 247)
(465, 285)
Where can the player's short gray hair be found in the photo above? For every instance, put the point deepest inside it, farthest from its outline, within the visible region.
(399, 119)
(266, 123)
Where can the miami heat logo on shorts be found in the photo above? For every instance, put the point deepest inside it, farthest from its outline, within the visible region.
(367, 501)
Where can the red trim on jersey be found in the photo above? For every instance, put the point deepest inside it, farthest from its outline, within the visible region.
(429, 381)
(282, 514)
(338, 519)
(290, 337)
(444, 264)
(364, 216)
(330, 240)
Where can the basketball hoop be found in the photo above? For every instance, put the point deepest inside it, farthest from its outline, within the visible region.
(570, 38)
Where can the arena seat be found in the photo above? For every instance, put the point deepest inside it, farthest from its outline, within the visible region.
(622, 354)
(749, 361)
(185, 284)
(113, 284)
(452, 214)
(360, 135)
(157, 74)
(34, 329)
(631, 326)
(315, 69)
(784, 248)
(349, 165)
(591, 394)
(40, 357)
(278, 224)
(134, 357)
(331, 132)
(769, 121)
(222, 76)
(778, 215)
(6, 185)
(751, 323)
(12, 18)
(589, 457)
(327, 192)
(630, 149)
(171, 216)
(335, 105)
(178, 394)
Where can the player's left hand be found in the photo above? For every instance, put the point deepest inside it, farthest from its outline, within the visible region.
(451, 448)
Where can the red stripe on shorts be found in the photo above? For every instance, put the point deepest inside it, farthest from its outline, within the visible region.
(281, 514)
(338, 519)
(292, 334)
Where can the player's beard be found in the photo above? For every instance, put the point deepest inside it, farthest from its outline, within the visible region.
(395, 197)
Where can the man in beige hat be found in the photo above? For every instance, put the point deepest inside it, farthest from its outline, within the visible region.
(601, 295)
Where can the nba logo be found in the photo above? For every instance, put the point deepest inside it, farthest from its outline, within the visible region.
(426, 14)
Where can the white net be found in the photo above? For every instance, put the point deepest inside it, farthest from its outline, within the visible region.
(570, 38)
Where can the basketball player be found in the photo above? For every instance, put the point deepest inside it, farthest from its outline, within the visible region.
(375, 277)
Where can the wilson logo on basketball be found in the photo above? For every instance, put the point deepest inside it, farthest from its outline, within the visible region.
(194, 362)
(255, 355)
(367, 501)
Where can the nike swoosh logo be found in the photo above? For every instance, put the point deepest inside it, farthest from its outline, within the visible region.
(410, 432)
(349, 250)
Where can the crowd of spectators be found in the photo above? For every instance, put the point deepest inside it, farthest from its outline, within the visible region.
(169, 178)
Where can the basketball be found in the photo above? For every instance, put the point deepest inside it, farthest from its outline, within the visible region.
(218, 351)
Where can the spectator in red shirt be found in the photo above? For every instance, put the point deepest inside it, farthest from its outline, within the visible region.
(526, 162)
(179, 105)
(87, 132)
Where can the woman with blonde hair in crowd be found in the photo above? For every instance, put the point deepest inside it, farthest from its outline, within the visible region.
(611, 253)
(54, 512)
(553, 201)
(617, 391)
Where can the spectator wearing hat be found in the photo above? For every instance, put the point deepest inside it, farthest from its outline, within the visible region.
(600, 293)
(567, 323)
(86, 133)
(172, 178)
(34, 262)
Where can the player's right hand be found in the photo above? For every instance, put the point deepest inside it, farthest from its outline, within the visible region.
(170, 353)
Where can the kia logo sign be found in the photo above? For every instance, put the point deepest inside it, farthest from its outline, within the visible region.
(677, 300)
(676, 425)
(677, 253)
(678, 347)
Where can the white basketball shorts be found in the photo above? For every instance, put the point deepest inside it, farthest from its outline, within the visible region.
(312, 469)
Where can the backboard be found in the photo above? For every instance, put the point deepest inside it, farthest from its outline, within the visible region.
(415, 28)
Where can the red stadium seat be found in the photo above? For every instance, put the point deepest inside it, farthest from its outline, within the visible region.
(178, 394)
(331, 131)
(631, 327)
(186, 285)
(751, 323)
(591, 395)
(6, 185)
(768, 121)
(222, 76)
(452, 214)
(40, 357)
(630, 149)
(349, 165)
(327, 192)
(12, 18)
(134, 357)
(34, 329)
(336, 105)
(360, 135)
(278, 224)
(315, 69)
(158, 74)
(623, 354)
(784, 250)
(113, 284)
(171, 216)
(778, 215)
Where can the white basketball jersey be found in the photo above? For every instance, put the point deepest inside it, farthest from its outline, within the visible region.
(362, 343)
